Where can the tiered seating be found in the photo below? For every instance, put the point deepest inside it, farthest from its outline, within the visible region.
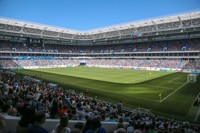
(176, 45)
(129, 63)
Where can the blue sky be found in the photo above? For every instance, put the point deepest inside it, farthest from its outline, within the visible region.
(90, 14)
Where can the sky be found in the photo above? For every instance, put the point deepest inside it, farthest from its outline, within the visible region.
(86, 15)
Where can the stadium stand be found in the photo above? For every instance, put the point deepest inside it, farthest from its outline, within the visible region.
(110, 63)
(173, 44)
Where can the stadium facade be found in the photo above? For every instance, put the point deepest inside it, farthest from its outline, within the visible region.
(174, 38)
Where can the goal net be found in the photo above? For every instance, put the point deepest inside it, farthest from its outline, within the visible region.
(192, 78)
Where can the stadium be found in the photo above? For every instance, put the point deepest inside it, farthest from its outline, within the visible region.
(151, 67)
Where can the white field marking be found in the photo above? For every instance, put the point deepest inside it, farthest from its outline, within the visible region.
(198, 112)
(136, 79)
(175, 83)
(174, 79)
(145, 78)
(197, 115)
(173, 92)
(159, 87)
(117, 93)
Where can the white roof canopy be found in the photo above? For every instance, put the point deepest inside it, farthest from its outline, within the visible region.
(148, 25)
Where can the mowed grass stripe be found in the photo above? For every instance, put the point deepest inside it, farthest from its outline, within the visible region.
(154, 91)
(105, 74)
(114, 92)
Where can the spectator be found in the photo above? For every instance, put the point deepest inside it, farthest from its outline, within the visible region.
(63, 110)
(77, 128)
(130, 127)
(100, 130)
(12, 112)
(120, 123)
(95, 123)
(119, 107)
(62, 127)
(40, 119)
(6, 108)
(87, 125)
(26, 120)
(120, 130)
(54, 109)
(2, 123)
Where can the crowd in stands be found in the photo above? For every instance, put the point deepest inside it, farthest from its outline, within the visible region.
(174, 64)
(8, 64)
(172, 45)
(37, 63)
(46, 62)
(116, 63)
(193, 65)
(34, 102)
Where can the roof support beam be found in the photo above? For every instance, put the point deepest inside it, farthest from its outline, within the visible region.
(92, 36)
(22, 29)
(72, 38)
(118, 31)
(133, 26)
(60, 33)
(155, 25)
(191, 23)
(104, 35)
(43, 31)
(181, 22)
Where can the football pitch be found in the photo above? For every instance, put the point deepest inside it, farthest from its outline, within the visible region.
(164, 93)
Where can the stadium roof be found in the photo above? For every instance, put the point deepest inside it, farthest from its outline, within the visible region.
(171, 22)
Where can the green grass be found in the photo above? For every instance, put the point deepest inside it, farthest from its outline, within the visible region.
(134, 88)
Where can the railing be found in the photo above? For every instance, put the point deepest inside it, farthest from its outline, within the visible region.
(50, 124)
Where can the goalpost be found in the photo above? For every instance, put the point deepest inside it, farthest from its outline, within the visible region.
(192, 78)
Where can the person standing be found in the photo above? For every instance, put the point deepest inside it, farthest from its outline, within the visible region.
(86, 92)
(119, 107)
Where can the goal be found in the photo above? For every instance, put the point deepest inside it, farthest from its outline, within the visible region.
(192, 78)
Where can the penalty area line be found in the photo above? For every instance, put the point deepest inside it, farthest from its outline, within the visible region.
(173, 79)
(173, 92)
(156, 86)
